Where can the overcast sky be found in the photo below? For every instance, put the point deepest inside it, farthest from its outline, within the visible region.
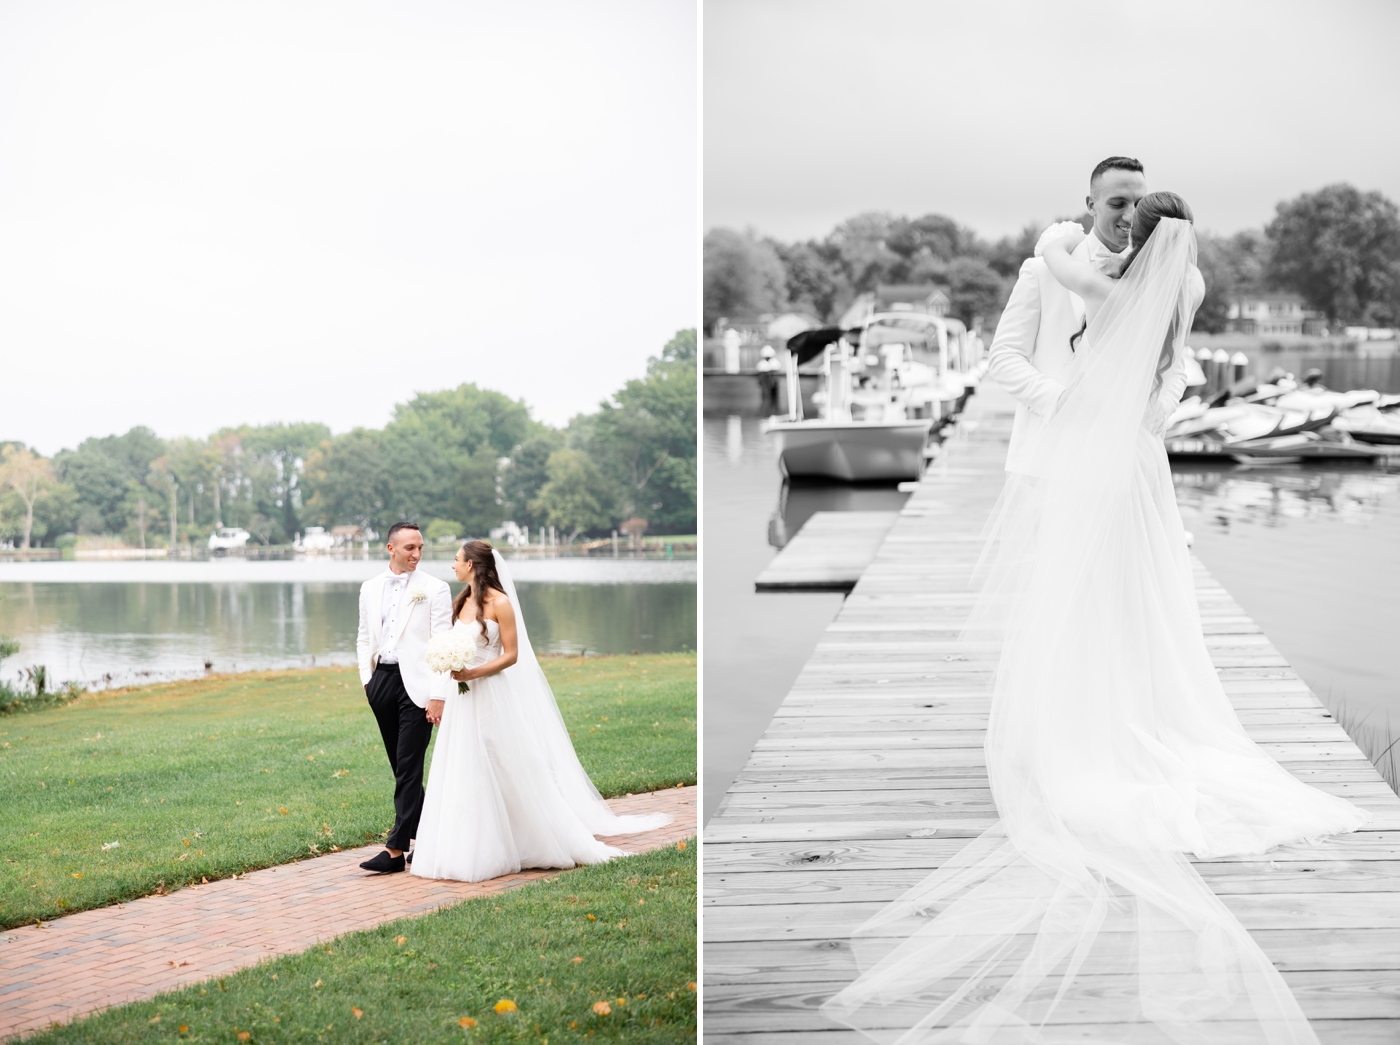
(214, 213)
(995, 112)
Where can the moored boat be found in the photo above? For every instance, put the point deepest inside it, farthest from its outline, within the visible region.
(886, 386)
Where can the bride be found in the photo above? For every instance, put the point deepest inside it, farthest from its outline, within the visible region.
(506, 790)
(1112, 750)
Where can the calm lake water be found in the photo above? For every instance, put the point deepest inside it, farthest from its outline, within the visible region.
(138, 621)
(1312, 554)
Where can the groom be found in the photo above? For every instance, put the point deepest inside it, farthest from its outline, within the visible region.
(400, 610)
(1031, 350)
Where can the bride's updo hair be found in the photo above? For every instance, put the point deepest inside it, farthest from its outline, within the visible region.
(484, 575)
(1151, 209)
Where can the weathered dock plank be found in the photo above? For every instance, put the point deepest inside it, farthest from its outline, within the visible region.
(871, 775)
(829, 553)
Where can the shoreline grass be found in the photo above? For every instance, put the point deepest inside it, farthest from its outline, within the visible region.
(214, 777)
(622, 934)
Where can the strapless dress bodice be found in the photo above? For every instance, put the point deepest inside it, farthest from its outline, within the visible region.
(488, 637)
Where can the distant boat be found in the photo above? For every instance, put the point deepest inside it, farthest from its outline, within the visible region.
(1368, 424)
(229, 538)
(314, 540)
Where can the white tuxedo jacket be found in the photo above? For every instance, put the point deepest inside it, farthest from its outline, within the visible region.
(419, 620)
(1031, 356)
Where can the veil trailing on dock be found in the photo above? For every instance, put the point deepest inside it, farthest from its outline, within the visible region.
(1112, 752)
(547, 727)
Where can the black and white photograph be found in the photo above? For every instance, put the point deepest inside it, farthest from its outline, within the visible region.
(1051, 497)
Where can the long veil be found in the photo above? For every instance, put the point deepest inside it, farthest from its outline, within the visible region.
(546, 726)
(1112, 752)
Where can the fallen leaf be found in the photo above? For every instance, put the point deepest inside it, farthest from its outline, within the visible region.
(110, 845)
(243, 1035)
(401, 940)
(181, 857)
(317, 983)
(177, 964)
(203, 880)
(622, 1001)
(576, 960)
(504, 1006)
(641, 903)
(466, 1021)
(592, 917)
(76, 875)
(602, 1008)
(680, 846)
(282, 810)
(184, 1028)
(155, 1019)
(358, 1012)
(573, 1024)
(692, 986)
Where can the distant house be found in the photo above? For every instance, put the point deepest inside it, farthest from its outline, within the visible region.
(896, 297)
(919, 297)
(1269, 313)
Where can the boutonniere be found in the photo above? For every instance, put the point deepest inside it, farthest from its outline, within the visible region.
(417, 595)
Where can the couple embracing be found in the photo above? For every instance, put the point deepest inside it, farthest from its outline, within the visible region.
(506, 790)
(1113, 753)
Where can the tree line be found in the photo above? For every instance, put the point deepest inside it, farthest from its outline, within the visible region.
(462, 461)
(1339, 248)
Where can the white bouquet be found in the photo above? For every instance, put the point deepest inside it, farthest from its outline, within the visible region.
(451, 650)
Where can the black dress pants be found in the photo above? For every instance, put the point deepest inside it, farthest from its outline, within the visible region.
(406, 731)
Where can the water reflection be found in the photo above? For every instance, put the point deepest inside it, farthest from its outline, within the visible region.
(1271, 498)
(1313, 555)
(799, 500)
(117, 633)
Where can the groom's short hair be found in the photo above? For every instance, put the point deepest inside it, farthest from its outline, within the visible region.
(1114, 163)
(400, 526)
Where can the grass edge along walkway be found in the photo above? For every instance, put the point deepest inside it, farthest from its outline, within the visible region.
(150, 789)
(132, 952)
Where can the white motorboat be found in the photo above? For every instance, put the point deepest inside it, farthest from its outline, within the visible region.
(315, 540)
(229, 539)
(884, 388)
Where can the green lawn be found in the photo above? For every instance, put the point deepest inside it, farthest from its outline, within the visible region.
(228, 774)
(632, 922)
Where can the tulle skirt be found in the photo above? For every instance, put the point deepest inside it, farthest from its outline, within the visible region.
(1113, 753)
(493, 807)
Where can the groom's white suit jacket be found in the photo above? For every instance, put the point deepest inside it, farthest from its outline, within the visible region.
(1030, 355)
(425, 610)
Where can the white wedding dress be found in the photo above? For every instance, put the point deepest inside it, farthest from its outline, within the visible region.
(1112, 750)
(505, 789)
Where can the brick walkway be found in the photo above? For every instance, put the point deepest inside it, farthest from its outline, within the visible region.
(132, 951)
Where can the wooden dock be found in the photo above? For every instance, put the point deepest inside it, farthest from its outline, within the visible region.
(872, 773)
(829, 553)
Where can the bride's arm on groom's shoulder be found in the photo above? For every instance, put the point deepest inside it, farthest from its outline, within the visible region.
(1074, 274)
(1013, 345)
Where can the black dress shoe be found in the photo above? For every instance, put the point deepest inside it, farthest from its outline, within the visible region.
(383, 863)
(408, 858)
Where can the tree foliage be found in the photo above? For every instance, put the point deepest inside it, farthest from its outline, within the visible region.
(742, 274)
(1340, 249)
(468, 455)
